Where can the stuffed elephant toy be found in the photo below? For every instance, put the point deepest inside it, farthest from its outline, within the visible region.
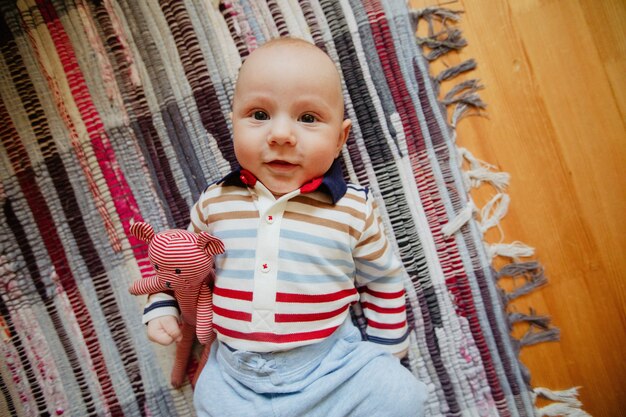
(183, 264)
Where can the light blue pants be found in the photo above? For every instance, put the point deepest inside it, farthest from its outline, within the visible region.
(341, 376)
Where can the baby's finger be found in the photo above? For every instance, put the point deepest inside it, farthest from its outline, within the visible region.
(172, 328)
(160, 337)
(157, 334)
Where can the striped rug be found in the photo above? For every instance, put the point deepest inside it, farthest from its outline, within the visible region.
(115, 111)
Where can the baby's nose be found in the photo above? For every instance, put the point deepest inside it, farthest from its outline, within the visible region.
(281, 132)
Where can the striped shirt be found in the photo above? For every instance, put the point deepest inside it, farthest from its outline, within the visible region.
(294, 265)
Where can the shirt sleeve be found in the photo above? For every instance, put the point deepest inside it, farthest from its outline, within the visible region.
(379, 278)
(160, 305)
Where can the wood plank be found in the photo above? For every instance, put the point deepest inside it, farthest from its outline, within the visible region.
(556, 90)
(605, 20)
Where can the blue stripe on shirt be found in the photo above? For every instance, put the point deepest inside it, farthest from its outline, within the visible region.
(236, 233)
(315, 240)
(315, 260)
(319, 278)
(390, 342)
(378, 267)
(235, 273)
(241, 253)
(364, 278)
(160, 304)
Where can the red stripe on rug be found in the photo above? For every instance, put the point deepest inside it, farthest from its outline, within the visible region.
(423, 172)
(121, 194)
(21, 163)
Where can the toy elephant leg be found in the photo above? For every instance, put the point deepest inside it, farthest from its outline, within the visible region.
(206, 350)
(183, 353)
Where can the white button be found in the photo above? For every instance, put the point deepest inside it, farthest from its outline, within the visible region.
(265, 267)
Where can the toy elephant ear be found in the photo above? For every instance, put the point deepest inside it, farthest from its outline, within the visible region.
(210, 244)
(142, 231)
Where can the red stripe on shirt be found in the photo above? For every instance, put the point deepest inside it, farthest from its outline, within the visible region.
(238, 295)
(275, 338)
(385, 295)
(282, 297)
(386, 326)
(232, 314)
(386, 310)
(291, 318)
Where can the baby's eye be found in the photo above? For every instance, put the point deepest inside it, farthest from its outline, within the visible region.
(260, 115)
(308, 118)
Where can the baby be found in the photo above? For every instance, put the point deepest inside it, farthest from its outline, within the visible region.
(302, 246)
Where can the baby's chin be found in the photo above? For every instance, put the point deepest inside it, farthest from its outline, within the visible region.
(281, 183)
(279, 191)
(280, 188)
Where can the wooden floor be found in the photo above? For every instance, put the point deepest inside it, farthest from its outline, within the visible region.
(555, 82)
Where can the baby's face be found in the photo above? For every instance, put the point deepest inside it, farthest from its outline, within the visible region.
(287, 116)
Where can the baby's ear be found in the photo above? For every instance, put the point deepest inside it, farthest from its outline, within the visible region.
(345, 133)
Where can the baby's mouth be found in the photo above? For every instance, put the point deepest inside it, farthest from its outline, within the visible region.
(281, 165)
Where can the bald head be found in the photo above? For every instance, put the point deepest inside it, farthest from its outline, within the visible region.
(293, 54)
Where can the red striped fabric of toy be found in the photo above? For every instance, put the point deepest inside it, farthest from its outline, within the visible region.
(183, 262)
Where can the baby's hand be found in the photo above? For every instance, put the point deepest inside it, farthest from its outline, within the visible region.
(401, 355)
(164, 330)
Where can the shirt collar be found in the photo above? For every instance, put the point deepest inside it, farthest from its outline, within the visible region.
(331, 183)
